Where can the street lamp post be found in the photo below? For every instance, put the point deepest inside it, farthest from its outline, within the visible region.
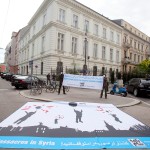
(85, 65)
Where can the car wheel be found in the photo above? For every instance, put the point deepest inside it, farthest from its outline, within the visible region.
(17, 87)
(135, 92)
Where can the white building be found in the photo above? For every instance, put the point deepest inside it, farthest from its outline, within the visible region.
(56, 40)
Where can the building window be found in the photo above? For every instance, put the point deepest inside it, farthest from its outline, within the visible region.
(74, 45)
(32, 49)
(135, 44)
(43, 44)
(60, 45)
(96, 29)
(41, 68)
(34, 28)
(95, 50)
(86, 26)
(141, 58)
(103, 52)
(142, 47)
(118, 38)
(111, 54)
(125, 39)
(75, 21)
(104, 33)
(138, 46)
(131, 42)
(44, 19)
(61, 15)
(130, 56)
(138, 58)
(112, 36)
(117, 56)
(134, 57)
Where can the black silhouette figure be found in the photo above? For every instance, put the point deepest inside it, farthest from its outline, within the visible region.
(28, 114)
(56, 121)
(116, 118)
(78, 115)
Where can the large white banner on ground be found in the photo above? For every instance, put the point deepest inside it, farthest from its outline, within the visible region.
(80, 81)
(74, 125)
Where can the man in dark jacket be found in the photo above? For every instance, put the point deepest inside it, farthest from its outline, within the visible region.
(61, 77)
(105, 87)
(48, 78)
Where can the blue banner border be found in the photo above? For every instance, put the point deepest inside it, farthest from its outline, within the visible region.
(74, 143)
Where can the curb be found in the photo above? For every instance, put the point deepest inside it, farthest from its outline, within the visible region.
(134, 102)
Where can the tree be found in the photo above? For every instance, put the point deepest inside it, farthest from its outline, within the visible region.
(144, 67)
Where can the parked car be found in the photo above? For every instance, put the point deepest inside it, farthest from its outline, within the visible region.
(139, 86)
(8, 76)
(15, 76)
(25, 81)
(3, 75)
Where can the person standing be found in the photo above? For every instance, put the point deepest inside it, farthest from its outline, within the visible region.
(61, 78)
(105, 87)
(48, 78)
(54, 79)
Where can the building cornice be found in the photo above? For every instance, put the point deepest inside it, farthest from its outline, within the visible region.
(136, 35)
(89, 12)
(39, 11)
(72, 30)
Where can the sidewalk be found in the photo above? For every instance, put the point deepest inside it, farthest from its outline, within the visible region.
(82, 95)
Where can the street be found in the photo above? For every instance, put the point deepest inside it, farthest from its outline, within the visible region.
(11, 100)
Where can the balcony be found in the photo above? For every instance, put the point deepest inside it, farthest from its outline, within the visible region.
(127, 45)
(148, 53)
(126, 60)
(134, 63)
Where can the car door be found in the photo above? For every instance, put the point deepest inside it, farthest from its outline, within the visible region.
(131, 85)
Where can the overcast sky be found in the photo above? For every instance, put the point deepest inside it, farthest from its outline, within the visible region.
(15, 14)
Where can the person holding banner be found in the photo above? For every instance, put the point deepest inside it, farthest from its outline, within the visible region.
(105, 87)
(61, 77)
(48, 79)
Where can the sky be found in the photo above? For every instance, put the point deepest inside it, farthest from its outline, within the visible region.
(15, 14)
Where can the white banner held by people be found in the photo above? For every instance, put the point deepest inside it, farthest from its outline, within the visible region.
(80, 81)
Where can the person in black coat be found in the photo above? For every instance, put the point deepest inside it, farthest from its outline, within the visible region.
(105, 87)
(61, 77)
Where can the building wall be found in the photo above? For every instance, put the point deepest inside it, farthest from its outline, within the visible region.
(135, 46)
(2, 68)
(50, 55)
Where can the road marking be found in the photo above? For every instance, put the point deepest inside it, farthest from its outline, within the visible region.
(3, 89)
(146, 103)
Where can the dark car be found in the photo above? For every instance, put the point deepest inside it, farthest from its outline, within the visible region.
(25, 81)
(8, 76)
(15, 76)
(139, 86)
(3, 75)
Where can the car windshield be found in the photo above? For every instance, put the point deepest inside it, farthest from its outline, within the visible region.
(22, 77)
(145, 81)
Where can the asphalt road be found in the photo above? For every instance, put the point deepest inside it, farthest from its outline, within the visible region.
(11, 100)
(145, 99)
